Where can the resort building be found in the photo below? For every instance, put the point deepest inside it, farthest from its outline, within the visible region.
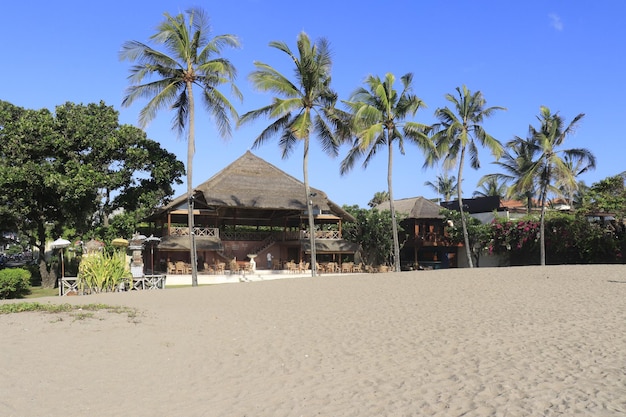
(249, 208)
(426, 244)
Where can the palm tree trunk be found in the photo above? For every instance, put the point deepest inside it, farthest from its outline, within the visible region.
(468, 250)
(309, 205)
(191, 150)
(392, 208)
(542, 227)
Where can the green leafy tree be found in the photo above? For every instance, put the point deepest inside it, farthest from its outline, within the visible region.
(302, 107)
(479, 234)
(53, 168)
(379, 114)
(372, 231)
(444, 186)
(44, 189)
(190, 57)
(458, 134)
(607, 196)
(550, 170)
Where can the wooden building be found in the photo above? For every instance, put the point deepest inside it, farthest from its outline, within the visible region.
(250, 208)
(425, 242)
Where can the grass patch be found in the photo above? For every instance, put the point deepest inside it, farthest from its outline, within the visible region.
(38, 292)
(80, 312)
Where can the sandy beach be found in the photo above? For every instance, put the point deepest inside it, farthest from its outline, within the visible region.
(525, 341)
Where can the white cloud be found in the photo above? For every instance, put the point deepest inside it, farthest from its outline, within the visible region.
(555, 21)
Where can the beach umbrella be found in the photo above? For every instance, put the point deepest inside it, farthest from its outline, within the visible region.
(152, 239)
(61, 243)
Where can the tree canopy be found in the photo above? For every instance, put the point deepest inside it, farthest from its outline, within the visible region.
(74, 168)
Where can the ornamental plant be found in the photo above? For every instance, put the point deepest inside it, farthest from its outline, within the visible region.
(102, 271)
(514, 235)
(14, 282)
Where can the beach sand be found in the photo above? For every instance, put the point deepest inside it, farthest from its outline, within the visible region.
(524, 341)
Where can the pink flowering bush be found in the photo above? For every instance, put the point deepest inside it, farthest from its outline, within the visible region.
(514, 235)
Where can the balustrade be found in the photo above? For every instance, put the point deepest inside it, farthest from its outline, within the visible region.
(198, 231)
(321, 234)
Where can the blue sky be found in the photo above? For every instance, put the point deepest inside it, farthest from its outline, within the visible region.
(567, 55)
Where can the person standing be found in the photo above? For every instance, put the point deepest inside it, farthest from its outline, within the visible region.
(269, 260)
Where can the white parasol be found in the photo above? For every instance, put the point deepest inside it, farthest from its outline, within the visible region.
(61, 243)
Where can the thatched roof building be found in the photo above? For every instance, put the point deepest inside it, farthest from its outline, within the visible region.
(252, 188)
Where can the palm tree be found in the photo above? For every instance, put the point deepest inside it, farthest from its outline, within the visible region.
(307, 106)
(445, 186)
(459, 133)
(490, 187)
(191, 57)
(577, 167)
(378, 112)
(379, 197)
(516, 161)
(550, 170)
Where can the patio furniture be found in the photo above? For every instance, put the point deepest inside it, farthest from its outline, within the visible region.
(219, 267)
(181, 268)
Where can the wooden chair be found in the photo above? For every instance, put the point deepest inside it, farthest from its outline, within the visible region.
(275, 264)
(219, 267)
(358, 268)
(233, 266)
(171, 268)
(181, 268)
(346, 267)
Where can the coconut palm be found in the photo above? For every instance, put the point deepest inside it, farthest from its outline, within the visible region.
(378, 114)
(304, 106)
(379, 197)
(445, 186)
(189, 58)
(490, 187)
(551, 170)
(518, 156)
(459, 132)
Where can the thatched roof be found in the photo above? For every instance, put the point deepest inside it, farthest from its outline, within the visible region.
(252, 183)
(414, 208)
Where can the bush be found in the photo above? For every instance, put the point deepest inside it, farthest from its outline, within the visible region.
(14, 283)
(102, 272)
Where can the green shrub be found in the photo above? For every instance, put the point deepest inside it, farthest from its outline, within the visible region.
(102, 272)
(14, 283)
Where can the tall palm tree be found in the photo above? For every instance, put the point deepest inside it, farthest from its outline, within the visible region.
(304, 106)
(378, 114)
(445, 186)
(458, 132)
(190, 57)
(551, 170)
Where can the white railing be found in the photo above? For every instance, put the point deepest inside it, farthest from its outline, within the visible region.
(321, 234)
(198, 231)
